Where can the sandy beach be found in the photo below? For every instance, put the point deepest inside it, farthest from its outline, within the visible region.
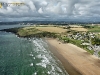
(75, 60)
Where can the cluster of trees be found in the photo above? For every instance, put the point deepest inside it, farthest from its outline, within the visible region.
(95, 41)
(68, 40)
(45, 34)
(40, 35)
(85, 26)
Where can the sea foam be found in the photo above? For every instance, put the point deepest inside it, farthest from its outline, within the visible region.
(47, 59)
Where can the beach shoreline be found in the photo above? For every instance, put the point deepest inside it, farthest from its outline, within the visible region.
(75, 60)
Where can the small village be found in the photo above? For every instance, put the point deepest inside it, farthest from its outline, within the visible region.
(89, 41)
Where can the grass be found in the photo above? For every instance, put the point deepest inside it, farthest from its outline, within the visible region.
(40, 30)
(94, 29)
(89, 51)
(27, 31)
(77, 43)
(52, 29)
(99, 52)
(31, 32)
(91, 28)
(79, 29)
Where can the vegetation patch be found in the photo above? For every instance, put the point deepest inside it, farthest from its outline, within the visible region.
(31, 32)
(79, 29)
(99, 53)
(94, 29)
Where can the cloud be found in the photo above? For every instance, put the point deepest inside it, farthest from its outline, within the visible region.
(50, 9)
(40, 10)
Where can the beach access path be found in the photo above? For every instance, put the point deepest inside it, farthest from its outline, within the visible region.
(81, 61)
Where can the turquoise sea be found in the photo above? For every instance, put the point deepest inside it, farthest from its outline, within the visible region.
(22, 56)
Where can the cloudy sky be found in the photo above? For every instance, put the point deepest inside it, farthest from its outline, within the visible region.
(51, 10)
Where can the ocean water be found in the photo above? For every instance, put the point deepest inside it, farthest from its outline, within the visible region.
(21, 56)
(10, 26)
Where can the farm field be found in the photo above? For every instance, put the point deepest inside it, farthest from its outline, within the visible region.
(79, 29)
(52, 29)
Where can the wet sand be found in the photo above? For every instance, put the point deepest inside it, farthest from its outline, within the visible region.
(75, 60)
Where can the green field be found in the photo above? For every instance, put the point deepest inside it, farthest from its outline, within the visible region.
(93, 28)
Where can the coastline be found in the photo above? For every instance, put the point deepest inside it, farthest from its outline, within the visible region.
(68, 67)
(75, 60)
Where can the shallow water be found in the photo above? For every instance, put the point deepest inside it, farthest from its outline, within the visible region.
(21, 56)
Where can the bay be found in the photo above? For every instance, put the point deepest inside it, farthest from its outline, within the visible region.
(22, 56)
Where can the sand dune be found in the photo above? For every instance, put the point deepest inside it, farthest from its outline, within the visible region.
(82, 61)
